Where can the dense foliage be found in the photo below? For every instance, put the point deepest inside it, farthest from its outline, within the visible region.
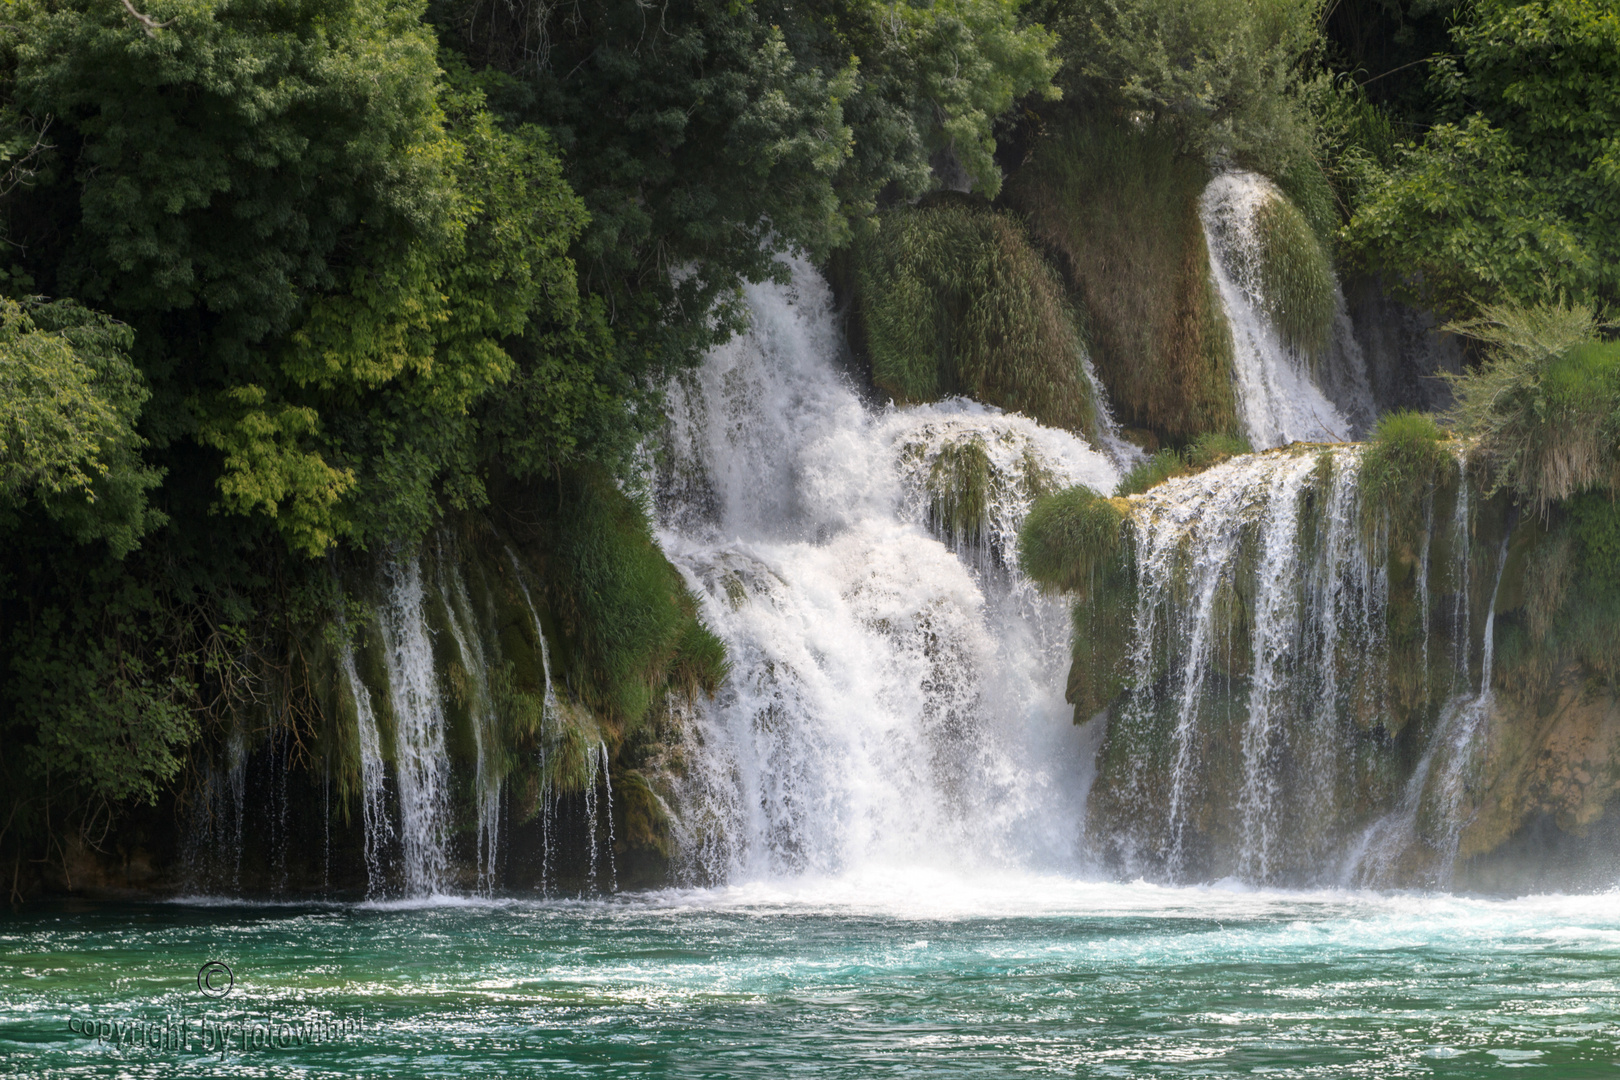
(1514, 193)
(286, 285)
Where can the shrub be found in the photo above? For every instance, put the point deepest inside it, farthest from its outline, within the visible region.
(1545, 404)
(1215, 447)
(1067, 537)
(630, 618)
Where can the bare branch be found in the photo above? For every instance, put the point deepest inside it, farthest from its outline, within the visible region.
(151, 25)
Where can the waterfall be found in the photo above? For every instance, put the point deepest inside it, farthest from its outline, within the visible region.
(1279, 398)
(421, 764)
(1261, 732)
(547, 801)
(481, 709)
(379, 831)
(895, 695)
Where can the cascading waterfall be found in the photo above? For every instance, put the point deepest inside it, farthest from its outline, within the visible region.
(889, 702)
(421, 765)
(1255, 737)
(379, 830)
(1278, 395)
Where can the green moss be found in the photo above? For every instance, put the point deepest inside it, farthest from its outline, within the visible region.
(953, 300)
(643, 824)
(1067, 537)
(959, 491)
(1295, 277)
(1210, 450)
(1404, 462)
(1117, 204)
(630, 625)
(1162, 466)
(1205, 452)
(1074, 541)
(1302, 179)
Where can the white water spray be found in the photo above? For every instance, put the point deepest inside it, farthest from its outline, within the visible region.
(421, 763)
(1278, 396)
(891, 701)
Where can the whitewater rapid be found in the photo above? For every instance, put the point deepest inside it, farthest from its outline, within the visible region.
(893, 698)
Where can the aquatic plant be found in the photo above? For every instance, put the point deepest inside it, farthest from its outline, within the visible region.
(1067, 536)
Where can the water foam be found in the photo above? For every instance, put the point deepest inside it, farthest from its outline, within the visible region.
(894, 698)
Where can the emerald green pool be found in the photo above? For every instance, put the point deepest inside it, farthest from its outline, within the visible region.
(860, 977)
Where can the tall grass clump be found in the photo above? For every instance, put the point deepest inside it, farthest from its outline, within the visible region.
(1295, 277)
(1544, 406)
(1406, 458)
(1117, 204)
(953, 299)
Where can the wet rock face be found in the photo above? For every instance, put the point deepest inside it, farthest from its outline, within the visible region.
(1549, 807)
(1405, 350)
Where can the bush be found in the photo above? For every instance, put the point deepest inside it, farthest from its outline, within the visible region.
(1212, 449)
(1067, 537)
(1164, 465)
(953, 300)
(1220, 74)
(1544, 406)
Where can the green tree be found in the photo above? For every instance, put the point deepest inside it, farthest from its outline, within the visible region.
(69, 403)
(1517, 195)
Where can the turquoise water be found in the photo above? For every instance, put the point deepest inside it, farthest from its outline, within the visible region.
(861, 977)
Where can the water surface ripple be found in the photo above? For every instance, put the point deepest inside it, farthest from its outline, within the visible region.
(857, 976)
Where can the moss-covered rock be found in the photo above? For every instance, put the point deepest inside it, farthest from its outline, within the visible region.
(1075, 541)
(952, 299)
(1118, 205)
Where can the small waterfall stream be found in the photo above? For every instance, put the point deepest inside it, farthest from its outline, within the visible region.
(421, 762)
(1280, 398)
(895, 696)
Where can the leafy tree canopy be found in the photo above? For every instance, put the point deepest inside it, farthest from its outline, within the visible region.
(1515, 196)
